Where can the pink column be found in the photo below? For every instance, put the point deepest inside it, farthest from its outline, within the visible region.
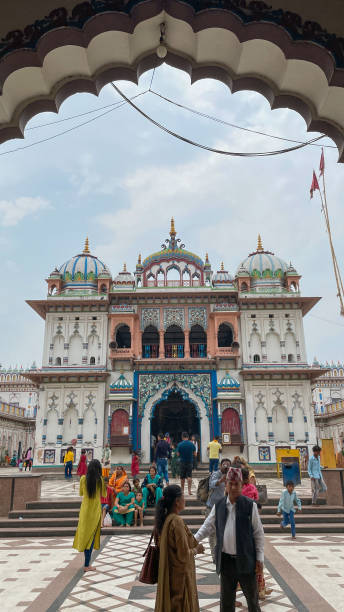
(161, 344)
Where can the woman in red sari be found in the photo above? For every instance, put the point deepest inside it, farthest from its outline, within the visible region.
(82, 465)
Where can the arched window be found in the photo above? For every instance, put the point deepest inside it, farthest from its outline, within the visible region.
(186, 278)
(293, 287)
(334, 372)
(198, 341)
(291, 358)
(150, 342)
(244, 287)
(123, 337)
(174, 342)
(224, 335)
(196, 280)
(53, 290)
(150, 280)
(231, 424)
(273, 347)
(58, 361)
(103, 289)
(280, 425)
(256, 358)
(160, 278)
(173, 277)
(75, 350)
(120, 428)
(92, 361)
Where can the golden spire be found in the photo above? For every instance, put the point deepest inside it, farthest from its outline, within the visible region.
(86, 247)
(172, 230)
(222, 267)
(124, 267)
(259, 245)
(139, 259)
(206, 258)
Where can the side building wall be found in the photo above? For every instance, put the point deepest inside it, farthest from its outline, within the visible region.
(69, 412)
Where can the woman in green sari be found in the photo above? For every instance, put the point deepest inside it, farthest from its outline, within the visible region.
(124, 508)
(152, 487)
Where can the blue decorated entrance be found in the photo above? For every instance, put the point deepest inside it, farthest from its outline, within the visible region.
(175, 414)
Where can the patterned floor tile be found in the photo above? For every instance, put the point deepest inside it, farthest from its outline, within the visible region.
(128, 593)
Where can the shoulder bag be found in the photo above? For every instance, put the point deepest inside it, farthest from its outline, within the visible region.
(150, 568)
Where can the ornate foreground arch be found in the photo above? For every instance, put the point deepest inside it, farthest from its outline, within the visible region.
(247, 45)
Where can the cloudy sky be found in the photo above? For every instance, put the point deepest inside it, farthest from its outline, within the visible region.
(120, 179)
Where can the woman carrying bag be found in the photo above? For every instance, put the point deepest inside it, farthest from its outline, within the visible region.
(177, 589)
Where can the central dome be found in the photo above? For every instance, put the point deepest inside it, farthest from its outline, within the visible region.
(172, 248)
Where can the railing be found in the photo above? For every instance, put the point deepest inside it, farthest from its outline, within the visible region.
(174, 351)
(150, 351)
(198, 350)
(227, 350)
(11, 409)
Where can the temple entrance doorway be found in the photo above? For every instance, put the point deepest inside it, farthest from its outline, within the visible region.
(174, 415)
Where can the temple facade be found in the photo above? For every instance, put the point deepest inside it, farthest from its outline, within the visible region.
(173, 347)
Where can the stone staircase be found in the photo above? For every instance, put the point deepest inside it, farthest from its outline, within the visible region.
(59, 517)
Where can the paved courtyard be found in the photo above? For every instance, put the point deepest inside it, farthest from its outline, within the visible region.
(45, 574)
(38, 575)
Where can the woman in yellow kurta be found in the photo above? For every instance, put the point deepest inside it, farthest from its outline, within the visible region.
(177, 589)
(92, 488)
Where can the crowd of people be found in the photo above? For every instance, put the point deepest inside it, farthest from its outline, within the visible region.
(232, 519)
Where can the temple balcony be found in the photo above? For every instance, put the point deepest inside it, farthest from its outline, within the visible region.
(121, 353)
(227, 351)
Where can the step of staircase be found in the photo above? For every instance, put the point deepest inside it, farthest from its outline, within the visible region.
(71, 503)
(59, 517)
(190, 519)
(69, 532)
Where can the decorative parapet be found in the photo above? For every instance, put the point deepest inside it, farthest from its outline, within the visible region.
(223, 307)
(118, 308)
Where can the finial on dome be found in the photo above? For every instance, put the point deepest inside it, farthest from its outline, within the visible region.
(206, 258)
(124, 267)
(222, 267)
(139, 259)
(259, 245)
(86, 247)
(172, 230)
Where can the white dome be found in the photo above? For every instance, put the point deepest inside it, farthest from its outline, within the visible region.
(82, 271)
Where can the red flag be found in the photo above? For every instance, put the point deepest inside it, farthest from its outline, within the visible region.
(314, 185)
(322, 163)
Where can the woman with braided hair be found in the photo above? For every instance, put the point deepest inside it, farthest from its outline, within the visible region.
(177, 590)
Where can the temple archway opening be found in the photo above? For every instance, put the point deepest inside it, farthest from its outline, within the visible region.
(175, 415)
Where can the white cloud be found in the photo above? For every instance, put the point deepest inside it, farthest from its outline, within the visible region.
(14, 211)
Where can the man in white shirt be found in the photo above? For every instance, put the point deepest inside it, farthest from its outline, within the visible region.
(239, 550)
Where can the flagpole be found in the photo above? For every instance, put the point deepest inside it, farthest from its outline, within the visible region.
(339, 281)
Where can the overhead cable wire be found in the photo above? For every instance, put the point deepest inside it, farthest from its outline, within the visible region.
(74, 127)
(184, 107)
(233, 125)
(151, 82)
(326, 320)
(95, 110)
(206, 147)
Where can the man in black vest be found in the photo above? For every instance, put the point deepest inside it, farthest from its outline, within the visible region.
(239, 549)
